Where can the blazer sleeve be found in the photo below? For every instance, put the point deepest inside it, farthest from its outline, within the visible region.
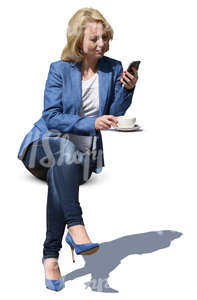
(53, 114)
(121, 96)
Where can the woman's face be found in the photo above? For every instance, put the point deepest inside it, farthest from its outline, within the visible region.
(95, 40)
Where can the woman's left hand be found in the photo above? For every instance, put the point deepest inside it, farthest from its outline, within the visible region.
(130, 79)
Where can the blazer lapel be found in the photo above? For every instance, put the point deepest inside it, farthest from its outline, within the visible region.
(76, 85)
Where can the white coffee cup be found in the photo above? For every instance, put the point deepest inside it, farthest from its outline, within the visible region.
(126, 122)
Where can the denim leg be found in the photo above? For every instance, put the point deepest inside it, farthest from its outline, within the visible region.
(64, 175)
(63, 179)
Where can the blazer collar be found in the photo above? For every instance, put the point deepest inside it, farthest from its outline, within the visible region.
(103, 73)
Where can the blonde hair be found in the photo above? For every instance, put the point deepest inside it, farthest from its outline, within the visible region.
(75, 32)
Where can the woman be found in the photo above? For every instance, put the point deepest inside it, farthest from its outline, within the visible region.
(84, 94)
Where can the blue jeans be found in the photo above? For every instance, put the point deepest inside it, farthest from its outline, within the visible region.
(57, 161)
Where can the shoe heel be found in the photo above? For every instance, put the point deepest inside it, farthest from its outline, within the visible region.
(72, 250)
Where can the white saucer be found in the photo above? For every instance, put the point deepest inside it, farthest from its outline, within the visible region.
(135, 127)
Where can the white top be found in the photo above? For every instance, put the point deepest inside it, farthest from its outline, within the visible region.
(89, 107)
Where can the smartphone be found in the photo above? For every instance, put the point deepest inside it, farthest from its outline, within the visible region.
(134, 64)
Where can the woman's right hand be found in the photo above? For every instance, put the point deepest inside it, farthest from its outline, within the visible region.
(105, 122)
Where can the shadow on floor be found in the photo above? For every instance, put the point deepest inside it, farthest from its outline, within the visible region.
(110, 254)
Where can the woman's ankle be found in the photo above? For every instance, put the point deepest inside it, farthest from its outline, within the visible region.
(52, 269)
(79, 234)
(51, 259)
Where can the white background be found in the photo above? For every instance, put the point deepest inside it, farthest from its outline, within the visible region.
(148, 184)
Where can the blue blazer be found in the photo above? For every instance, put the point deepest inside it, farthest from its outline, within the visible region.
(62, 100)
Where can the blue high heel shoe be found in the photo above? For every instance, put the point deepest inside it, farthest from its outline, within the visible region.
(82, 249)
(55, 285)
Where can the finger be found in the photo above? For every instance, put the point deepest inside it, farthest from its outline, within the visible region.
(122, 81)
(125, 78)
(133, 79)
(114, 122)
(129, 75)
(128, 86)
(107, 122)
(105, 126)
(112, 118)
(135, 72)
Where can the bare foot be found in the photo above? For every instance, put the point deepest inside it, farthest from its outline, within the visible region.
(52, 270)
(79, 234)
